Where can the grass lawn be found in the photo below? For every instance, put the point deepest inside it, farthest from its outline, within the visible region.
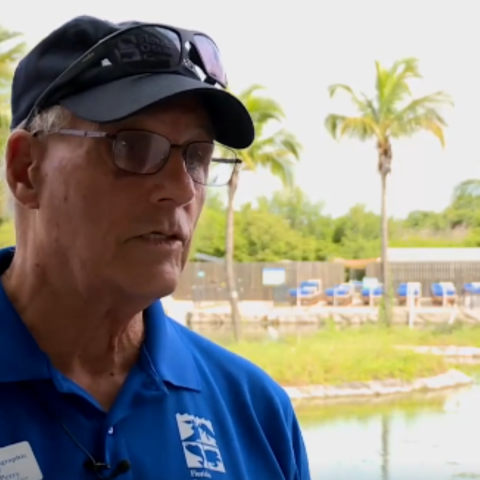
(333, 356)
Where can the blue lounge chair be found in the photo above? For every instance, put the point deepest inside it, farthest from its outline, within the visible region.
(373, 293)
(472, 288)
(471, 293)
(340, 294)
(308, 292)
(443, 293)
(402, 292)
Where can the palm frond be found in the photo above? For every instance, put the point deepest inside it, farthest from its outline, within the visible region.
(361, 101)
(276, 152)
(281, 146)
(13, 54)
(263, 110)
(252, 90)
(428, 120)
(372, 110)
(279, 163)
(392, 84)
(423, 113)
(421, 104)
(12, 48)
(362, 128)
(6, 34)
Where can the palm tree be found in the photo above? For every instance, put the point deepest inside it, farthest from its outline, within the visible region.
(391, 113)
(12, 49)
(275, 152)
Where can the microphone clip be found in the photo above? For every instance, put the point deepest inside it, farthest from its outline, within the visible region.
(95, 466)
(99, 467)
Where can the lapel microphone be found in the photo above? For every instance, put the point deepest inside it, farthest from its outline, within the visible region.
(123, 466)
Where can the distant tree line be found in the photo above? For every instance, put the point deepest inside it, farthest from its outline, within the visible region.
(289, 226)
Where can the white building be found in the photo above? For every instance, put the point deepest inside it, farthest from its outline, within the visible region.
(433, 255)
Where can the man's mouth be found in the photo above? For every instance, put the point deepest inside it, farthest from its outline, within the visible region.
(160, 236)
(163, 238)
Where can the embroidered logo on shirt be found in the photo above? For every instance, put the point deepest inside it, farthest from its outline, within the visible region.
(199, 445)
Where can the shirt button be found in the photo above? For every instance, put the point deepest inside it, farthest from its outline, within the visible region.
(110, 431)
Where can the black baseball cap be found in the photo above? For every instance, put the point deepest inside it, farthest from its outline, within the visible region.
(104, 95)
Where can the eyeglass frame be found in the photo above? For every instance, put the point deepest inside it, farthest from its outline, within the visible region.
(113, 137)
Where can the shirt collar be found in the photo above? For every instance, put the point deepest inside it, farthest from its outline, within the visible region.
(170, 358)
(21, 358)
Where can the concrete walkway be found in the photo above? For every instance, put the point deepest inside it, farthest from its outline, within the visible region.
(450, 379)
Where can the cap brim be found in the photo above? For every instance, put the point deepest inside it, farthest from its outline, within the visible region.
(122, 98)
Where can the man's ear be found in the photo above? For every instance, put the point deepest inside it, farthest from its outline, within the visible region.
(22, 168)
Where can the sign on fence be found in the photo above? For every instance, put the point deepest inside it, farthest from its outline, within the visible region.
(273, 276)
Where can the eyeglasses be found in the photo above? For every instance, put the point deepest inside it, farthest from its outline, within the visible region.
(145, 153)
(140, 49)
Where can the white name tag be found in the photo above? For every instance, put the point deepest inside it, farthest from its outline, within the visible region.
(17, 462)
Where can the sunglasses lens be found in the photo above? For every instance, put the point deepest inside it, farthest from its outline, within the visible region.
(148, 47)
(210, 56)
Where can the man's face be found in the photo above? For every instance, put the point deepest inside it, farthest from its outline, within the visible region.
(107, 225)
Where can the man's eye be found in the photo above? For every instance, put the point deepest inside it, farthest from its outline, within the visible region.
(129, 148)
(199, 154)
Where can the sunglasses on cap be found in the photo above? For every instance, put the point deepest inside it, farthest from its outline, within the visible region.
(140, 49)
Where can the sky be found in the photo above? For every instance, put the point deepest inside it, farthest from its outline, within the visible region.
(296, 50)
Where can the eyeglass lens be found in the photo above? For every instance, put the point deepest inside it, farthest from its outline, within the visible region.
(146, 153)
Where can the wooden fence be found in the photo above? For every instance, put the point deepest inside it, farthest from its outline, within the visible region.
(207, 281)
(429, 272)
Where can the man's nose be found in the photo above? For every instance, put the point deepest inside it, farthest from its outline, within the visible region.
(173, 182)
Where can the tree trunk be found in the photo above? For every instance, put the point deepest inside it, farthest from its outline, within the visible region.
(384, 167)
(385, 273)
(229, 266)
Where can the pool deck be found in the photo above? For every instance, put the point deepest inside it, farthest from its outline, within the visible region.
(267, 312)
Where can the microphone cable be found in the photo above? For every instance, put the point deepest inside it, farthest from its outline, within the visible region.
(91, 464)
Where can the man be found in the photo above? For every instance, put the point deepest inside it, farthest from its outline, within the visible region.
(108, 160)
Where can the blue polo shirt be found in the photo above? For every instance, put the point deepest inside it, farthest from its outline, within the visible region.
(189, 409)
